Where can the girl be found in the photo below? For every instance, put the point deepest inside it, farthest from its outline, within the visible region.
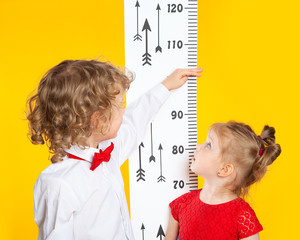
(78, 111)
(230, 161)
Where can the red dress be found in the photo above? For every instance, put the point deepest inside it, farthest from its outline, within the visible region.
(227, 221)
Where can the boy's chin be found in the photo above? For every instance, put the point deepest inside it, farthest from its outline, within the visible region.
(110, 136)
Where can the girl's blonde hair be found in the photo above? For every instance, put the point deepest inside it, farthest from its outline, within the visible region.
(250, 154)
(68, 94)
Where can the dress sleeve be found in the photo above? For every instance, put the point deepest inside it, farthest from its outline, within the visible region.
(176, 205)
(54, 206)
(137, 117)
(248, 223)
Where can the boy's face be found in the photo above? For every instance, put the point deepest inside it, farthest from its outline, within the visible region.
(117, 116)
(207, 157)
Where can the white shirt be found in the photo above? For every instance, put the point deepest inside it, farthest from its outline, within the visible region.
(73, 202)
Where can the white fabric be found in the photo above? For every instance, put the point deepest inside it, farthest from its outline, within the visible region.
(73, 202)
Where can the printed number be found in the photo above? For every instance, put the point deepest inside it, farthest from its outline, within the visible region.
(178, 149)
(180, 184)
(177, 115)
(173, 8)
(175, 44)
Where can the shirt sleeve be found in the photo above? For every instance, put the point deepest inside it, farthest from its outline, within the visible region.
(137, 117)
(248, 223)
(54, 206)
(176, 205)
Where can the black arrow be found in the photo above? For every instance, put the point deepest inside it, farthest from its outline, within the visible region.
(160, 233)
(161, 177)
(140, 172)
(146, 56)
(137, 36)
(158, 48)
(143, 228)
(152, 158)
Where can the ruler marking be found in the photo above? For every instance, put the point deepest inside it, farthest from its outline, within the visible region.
(188, 30)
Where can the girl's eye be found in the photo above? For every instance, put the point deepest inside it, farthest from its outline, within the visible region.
(208, 145)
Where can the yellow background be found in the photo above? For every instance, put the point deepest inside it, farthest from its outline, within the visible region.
(249, 51)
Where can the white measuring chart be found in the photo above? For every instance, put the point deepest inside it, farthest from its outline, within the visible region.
(161, 36)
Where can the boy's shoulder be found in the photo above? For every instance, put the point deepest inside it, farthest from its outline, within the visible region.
(55, 170)
(66, 174)
(70, 175)
(54, 174)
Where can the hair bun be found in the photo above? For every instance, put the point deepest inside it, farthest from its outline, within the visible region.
(272, 149)
(268, 133)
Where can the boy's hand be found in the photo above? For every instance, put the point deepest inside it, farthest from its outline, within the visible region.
(179, 77)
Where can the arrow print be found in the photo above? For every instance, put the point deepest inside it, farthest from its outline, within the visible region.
(140, 172)
(143, 228)
(160, 233)
(161, 178)
(146, 56)
(152, 158)
(158, 48)
(137, 36)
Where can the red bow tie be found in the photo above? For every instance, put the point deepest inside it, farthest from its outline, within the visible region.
(99, 157)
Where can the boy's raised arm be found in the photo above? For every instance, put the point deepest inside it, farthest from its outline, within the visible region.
(140, 113)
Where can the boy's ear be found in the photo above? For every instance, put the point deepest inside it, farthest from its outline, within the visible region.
(226, 170)
(95, 119)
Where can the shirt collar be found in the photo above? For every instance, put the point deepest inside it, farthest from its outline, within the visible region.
(88, 152)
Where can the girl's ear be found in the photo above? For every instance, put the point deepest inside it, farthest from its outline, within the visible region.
(226, 170)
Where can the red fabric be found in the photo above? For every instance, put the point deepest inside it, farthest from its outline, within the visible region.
(198, 220)
(99, 157)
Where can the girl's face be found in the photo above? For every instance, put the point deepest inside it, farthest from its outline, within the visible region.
(207, 157)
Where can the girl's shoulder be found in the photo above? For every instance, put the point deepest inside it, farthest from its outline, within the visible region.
(245, 210)
(241, 204)
(248, 223)
(181, 202)
(186, 197)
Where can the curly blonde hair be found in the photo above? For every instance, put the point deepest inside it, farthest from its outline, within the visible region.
(67, 95)
(251, 154)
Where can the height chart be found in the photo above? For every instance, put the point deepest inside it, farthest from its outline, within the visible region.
(161, 36)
